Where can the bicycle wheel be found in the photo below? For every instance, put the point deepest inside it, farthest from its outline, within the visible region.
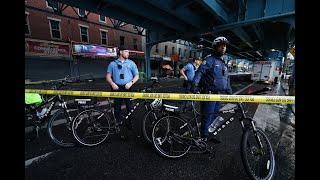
(150, 118)
(91, 127)
(59, 129)
(258, 163)
(171, 136)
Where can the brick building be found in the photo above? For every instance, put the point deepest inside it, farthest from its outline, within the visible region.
(43, 22)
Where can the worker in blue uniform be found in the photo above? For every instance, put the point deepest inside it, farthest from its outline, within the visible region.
(212, 78)
(122, 73)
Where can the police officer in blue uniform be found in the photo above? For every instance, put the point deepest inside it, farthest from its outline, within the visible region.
(188, 72)
(122, 73)
(212, 78)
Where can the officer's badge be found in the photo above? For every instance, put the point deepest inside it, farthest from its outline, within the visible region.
(204, 62)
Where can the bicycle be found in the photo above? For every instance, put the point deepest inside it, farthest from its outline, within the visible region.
(173, 137)
(157, 111)
(58, 124)
(94, 131)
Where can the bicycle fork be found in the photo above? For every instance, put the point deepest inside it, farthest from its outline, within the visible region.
(63, 104)
(251, 123)
(254, 131)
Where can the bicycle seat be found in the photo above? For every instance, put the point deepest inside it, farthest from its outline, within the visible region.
(171, 108)
(82, 101)
(228, 107)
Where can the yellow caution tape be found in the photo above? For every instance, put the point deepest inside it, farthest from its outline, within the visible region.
(173, 96)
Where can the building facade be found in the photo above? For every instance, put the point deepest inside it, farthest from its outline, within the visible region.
(44, 23)
(171, 53)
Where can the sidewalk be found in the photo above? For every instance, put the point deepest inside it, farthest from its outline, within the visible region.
(278, 123)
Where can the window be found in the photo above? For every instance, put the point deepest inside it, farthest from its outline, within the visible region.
(121, 40)
(103, 34)
(185, 53)
(135, 45)
(55, 28)
(102, 19)
(194, 54)
(165, 50)
(157, 49)
(190, 54)
(172, 50)
(84, 34)
(52, 4)
(26, 25)
(179, 51)
(81, 12)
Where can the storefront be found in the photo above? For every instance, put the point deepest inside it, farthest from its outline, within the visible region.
(49, 49)
(46, 60)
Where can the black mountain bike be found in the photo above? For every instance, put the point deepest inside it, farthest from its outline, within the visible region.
(173, 137)
(58, 124)
(92, 127)
(159, 108)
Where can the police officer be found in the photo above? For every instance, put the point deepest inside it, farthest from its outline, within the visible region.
(212, 78)
(188, 72)
(122, 73)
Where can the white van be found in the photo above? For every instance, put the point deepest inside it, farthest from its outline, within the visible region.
(265, 71)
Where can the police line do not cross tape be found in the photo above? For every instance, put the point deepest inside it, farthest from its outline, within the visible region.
(173, 96)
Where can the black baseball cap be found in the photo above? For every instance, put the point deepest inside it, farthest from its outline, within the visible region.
(121, 48)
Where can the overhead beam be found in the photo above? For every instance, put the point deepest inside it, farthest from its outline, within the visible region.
(216, 9)
(181, 4)
(257, 30)
(249, 54)
(180, 13)
(113, 13)
(231, 26)
(150, 12)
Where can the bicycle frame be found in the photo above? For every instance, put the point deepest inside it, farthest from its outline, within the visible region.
(238, 109)
(52, 101)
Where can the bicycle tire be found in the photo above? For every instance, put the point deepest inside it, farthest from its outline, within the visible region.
(184, 128)
(148, 122)
(270, 161)
(59, 130)
(89, 124)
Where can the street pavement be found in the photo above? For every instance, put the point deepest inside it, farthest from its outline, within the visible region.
(134, 159)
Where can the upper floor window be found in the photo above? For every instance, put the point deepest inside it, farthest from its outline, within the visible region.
(121, 40)
(166, 50)
(135, 44)
(55, 29)
(81, 12)
(104, 39)
(102, 19)
(27, 25)
(84, 33)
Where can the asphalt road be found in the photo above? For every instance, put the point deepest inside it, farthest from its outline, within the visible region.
(133, 159)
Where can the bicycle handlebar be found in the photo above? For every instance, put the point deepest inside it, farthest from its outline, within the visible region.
(148, 88)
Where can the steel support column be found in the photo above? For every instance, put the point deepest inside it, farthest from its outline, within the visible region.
(147, 55)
